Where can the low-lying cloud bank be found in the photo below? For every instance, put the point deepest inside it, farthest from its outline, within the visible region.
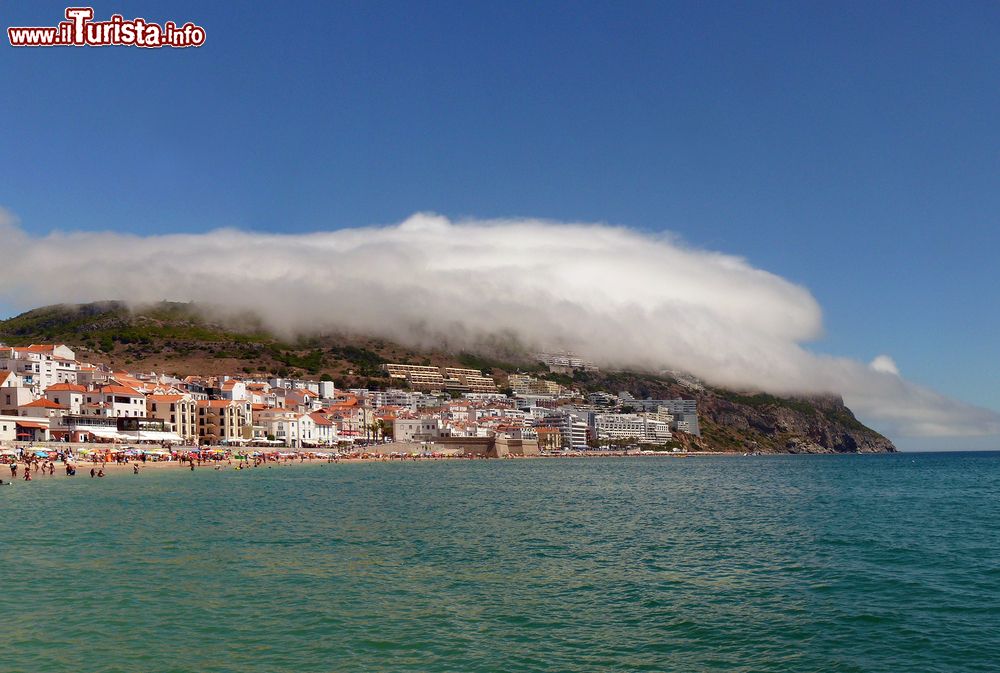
(620, 297)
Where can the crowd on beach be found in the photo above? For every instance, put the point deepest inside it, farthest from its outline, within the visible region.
(27, 464)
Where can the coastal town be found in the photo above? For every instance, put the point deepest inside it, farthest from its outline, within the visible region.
(51, 401)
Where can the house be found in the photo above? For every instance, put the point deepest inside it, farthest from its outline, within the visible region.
(178, 411)
(549, 438)
(302, 400)
(17, 428)
(224, 421)
(68, 395)
(13, 392)
(37, 417)
(416, 429)
(114, 400)
(281, 425)
(325, 430)
(231, 389)
(307, 431)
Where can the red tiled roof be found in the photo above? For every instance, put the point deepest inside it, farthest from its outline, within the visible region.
(120, 390)
(42, 404)
(220, 404)
(165, 398)
(66, 387)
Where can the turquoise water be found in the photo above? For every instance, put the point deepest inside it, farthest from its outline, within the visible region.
(866, 563)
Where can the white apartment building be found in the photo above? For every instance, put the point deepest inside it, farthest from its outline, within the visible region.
(572, 430)
(640, 427)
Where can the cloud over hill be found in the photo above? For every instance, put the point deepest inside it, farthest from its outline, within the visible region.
(620, 297)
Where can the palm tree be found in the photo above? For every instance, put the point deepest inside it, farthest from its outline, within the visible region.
(383, 427)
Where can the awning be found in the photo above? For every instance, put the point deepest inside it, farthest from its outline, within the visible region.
(29, 425)
(157, 436)
(106, 433)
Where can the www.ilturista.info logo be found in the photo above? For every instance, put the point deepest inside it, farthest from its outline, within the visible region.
(80, 30)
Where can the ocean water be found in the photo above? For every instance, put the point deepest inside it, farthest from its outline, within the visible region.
(849, 563)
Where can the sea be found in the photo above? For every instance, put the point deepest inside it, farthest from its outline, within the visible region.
(737, 564)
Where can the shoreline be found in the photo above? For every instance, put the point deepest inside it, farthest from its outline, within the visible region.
(116, 469)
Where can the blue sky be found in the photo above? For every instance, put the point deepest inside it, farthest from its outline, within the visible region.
(850, 147)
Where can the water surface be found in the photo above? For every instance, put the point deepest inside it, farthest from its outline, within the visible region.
(852, 563)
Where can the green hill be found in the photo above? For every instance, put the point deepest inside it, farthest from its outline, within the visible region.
(182, 339)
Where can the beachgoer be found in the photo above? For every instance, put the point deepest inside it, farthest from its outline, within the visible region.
(93, 473)
(13, 469)
(135, 469)
(100, 473)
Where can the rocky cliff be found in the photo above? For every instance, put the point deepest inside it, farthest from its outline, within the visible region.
(757, 422)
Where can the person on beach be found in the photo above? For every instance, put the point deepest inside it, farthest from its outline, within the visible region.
(100, 473)
(13, 470)
(93, 473)
(135, 468)
(27, 474)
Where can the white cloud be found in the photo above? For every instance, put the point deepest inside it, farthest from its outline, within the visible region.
(884, 364)
(621, 297)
